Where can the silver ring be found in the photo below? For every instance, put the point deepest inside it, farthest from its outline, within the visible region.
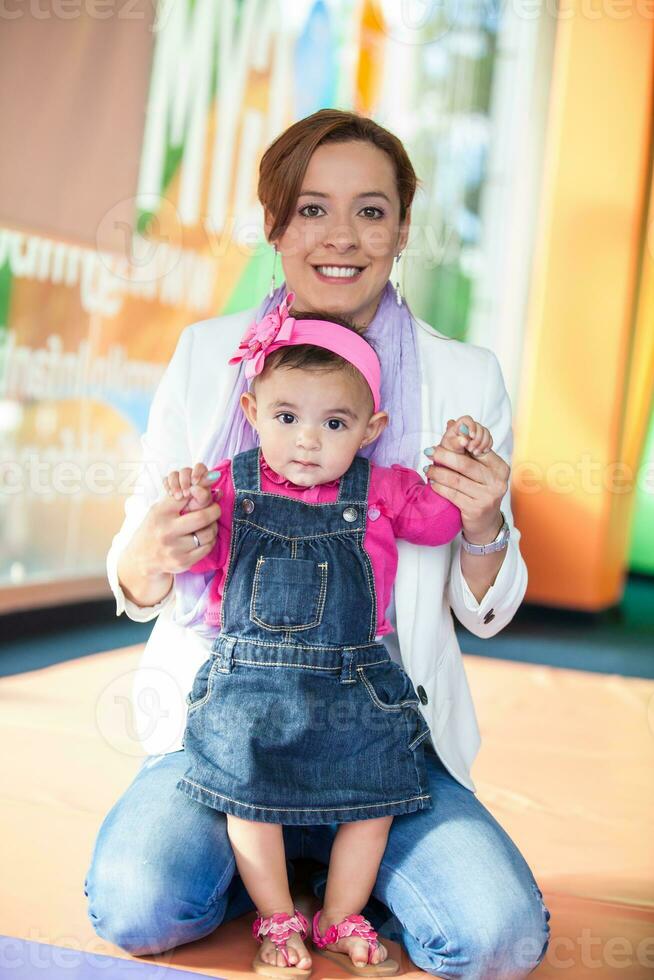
(196, 539)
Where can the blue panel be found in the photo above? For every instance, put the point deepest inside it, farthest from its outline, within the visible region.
(21, 959)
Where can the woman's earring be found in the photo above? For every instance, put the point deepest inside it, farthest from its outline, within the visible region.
(272, 281)
(398, 292)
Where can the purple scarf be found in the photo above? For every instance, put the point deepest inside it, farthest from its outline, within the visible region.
(392, 333)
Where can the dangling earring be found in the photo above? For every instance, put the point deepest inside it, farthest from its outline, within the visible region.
(272, 281)
(398, 292)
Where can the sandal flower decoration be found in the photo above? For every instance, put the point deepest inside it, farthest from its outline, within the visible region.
(356, 925)
(278, 927)
(275, 327)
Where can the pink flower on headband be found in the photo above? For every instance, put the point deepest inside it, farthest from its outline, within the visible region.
(280, 329)
(276, 326)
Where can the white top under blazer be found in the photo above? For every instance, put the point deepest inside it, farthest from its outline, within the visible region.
(456, 379)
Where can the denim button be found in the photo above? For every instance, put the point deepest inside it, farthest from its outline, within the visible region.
(422, 694)
(247, 505)
(350, 514)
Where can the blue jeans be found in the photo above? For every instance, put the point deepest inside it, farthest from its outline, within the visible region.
(452, 887)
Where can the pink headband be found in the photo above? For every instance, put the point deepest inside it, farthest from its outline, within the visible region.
(279, 329)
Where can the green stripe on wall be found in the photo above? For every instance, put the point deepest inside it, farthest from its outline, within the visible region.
(254, 283)
(5, 294)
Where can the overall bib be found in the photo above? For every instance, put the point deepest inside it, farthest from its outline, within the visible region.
(299, 716)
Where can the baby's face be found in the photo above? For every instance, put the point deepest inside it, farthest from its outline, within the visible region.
(311, 424)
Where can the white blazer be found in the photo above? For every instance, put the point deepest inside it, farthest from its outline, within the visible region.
(457, 379)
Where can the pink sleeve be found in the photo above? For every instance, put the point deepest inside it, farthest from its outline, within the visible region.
(218, 555)
(417, 512)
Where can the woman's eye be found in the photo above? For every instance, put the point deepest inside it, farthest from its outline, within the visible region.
(338, 422)
(285, 415)
(307, 207)
(377, 216)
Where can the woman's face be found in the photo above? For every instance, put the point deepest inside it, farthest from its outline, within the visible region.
(338, 250)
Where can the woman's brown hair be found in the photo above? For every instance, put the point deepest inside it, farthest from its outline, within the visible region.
(285, 162)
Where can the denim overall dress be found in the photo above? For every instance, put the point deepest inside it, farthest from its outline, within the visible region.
(299, 715)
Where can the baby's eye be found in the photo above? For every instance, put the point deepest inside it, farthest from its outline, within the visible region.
(285, 415)
(315, 207)
(338, 423)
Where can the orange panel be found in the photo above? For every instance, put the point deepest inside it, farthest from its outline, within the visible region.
(580, 322)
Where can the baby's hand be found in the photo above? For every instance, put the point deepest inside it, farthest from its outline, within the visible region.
(477, 442)
(192, 485)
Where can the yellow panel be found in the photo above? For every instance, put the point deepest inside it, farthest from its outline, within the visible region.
(371, 57)
(580, 322)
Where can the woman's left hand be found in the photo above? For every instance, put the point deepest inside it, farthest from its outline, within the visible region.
(475, 484)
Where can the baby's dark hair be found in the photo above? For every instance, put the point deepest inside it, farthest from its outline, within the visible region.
(310, 357)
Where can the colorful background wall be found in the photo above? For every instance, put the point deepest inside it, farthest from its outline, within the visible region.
(128, 209)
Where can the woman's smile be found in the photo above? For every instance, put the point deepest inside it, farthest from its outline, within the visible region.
(341, 274)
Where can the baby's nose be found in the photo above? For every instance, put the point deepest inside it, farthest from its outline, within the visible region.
(308, 438)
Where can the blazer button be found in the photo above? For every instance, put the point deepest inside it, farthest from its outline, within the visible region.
(247, 505)
(490, 615)
(422, 694)
(350, 514)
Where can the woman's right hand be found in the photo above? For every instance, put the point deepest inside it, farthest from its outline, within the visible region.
(163, 545)
(171, 529)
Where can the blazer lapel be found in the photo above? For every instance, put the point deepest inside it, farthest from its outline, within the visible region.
(406, 596)
(408, 602)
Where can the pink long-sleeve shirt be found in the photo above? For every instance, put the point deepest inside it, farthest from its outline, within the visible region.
(400, 505)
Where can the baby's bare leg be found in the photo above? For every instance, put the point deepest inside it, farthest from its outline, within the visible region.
(259, 853)
(353, 866)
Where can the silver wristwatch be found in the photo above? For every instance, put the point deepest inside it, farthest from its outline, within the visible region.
(500, 541)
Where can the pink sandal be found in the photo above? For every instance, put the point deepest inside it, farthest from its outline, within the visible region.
(278, 927)
(352, 925)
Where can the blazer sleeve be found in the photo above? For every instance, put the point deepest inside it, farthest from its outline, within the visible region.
(164, 447)
(500, 603)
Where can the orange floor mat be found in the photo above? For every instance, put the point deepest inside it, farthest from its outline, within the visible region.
(566, 767)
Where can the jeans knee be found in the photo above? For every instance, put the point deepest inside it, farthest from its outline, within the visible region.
(143, 917)
(537, 925)
(491, 947)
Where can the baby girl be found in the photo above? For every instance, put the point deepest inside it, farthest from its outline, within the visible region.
(299, 715)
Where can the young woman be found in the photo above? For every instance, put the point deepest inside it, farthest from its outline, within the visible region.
(336, 191)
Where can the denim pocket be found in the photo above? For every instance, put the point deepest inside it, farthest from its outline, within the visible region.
(419, 730)
(288, 593)
(201, 689)
(388, 685)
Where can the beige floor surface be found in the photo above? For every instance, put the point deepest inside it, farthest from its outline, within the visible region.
(566, 766)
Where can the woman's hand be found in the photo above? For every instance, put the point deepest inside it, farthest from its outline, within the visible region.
(477, 440)
(176, 532)
(475, 482)
(178, 483)
(163, 545)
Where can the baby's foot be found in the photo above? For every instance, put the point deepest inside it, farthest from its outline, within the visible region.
(296, 951)
(355, 947)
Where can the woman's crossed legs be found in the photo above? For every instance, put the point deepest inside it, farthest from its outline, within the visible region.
(452, 886)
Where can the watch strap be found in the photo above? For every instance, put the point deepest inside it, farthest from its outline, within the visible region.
(500, 542)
